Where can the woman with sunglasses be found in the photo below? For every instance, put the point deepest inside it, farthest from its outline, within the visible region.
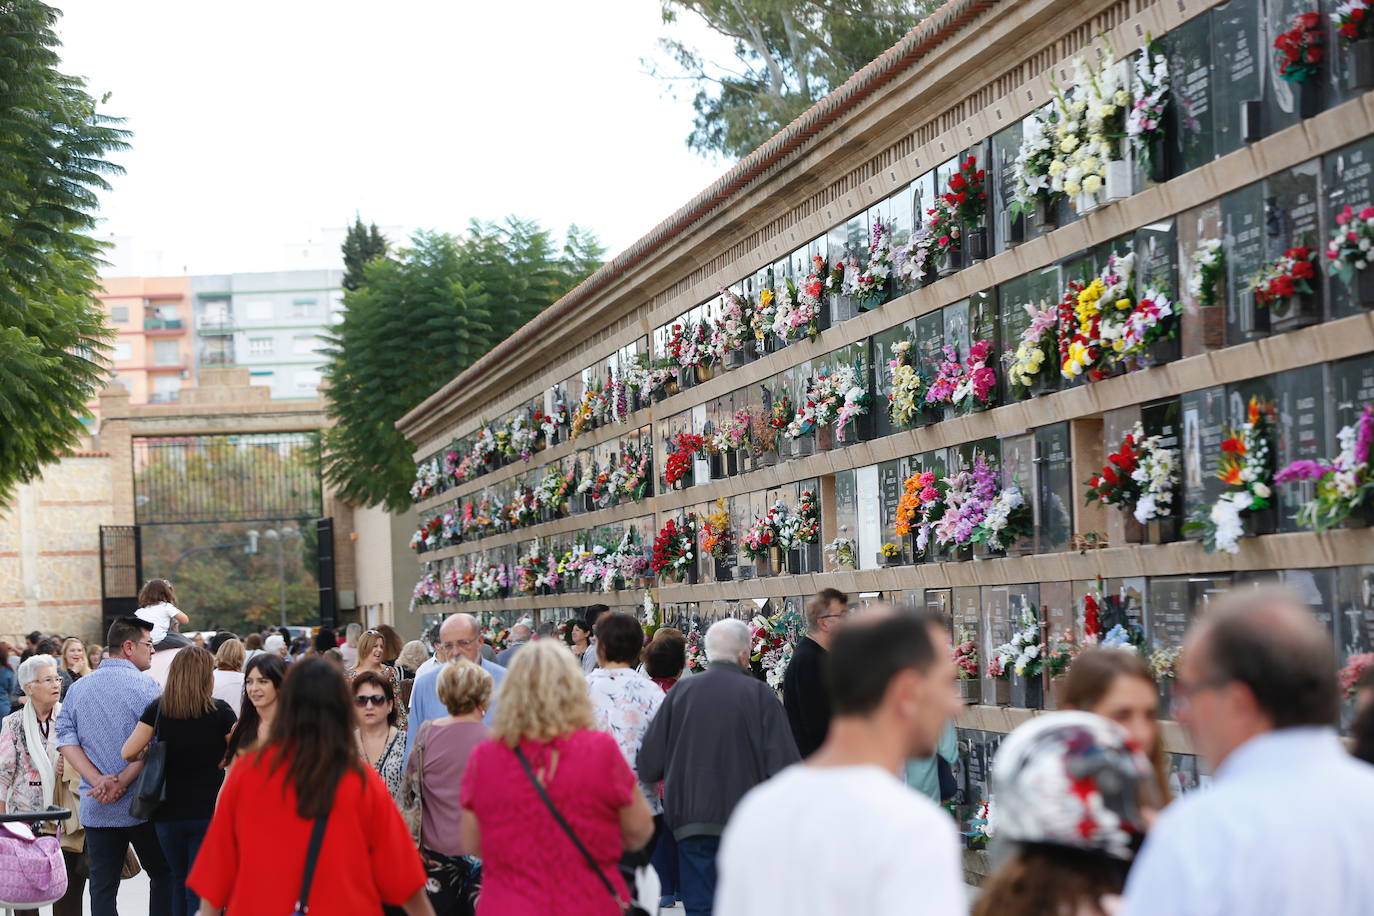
(380, 742)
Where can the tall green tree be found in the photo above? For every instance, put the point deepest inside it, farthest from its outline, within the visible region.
(361, 245)
(787, 55)
(53, 147)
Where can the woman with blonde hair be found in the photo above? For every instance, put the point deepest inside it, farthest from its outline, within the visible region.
(229, 661)
(437, 762)
(349, 650)
(195, 728)
(372, 648)
(73, 662)
(546, 755)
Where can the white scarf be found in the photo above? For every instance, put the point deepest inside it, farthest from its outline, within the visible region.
(38, 748)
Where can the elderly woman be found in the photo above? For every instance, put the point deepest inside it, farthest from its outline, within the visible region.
(30, 767)
(438, 758)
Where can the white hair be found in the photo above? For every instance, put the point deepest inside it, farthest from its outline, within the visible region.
(521, 631)
(28, 668)
(273, 644)
(352, 633)
(726, 639)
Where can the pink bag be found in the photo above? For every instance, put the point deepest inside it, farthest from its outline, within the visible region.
(32, 873)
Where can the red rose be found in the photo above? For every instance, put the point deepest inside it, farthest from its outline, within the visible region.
(956, 182)
(1303, 270)
(1309, 20)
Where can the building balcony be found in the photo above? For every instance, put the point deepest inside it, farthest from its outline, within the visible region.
(162, 324)
(217, 359)
(164, 397)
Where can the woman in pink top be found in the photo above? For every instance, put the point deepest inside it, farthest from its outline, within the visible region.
(530, 867)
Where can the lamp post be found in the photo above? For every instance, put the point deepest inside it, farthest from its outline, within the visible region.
(279, 537)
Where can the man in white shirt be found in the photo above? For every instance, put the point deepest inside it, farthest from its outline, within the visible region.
(841, 831)
(1285, 829)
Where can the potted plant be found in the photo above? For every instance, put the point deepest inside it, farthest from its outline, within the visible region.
(1298, 54)
(890, 554)
(966, 666)
(1348, 254)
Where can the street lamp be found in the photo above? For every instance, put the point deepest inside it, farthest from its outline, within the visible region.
(279, 537)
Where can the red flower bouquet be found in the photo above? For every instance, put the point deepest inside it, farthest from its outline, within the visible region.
(966, 199)
(1289, 276)
(674, 549)
(1113, 485)
(683, 448)
(1298, 51)
(1352, 20)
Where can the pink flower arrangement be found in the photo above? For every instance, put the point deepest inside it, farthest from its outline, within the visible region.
(967, 500)
(964, 384)
(1354, 669)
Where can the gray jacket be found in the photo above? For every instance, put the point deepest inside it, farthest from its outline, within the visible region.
(716, 736)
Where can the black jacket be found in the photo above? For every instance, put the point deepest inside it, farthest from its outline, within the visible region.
(716, 736)
(805, 698)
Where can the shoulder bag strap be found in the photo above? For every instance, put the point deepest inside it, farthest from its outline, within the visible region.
(312, 856)
(420, 776)
(548, 803)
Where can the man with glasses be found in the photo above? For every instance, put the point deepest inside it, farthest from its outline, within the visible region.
(99, 714)
(459, 637)
(1285, 829)
(804, 693)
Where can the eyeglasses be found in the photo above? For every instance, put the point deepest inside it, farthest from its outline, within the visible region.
(147, 645)
(376, 699)
(46, 680)
(1183, 692)
(457, 644)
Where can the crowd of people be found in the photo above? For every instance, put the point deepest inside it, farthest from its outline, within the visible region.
(596, 773)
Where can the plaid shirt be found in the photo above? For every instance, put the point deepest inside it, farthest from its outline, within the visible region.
(99, 714)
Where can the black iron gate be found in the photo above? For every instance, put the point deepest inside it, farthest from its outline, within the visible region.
(121, 571)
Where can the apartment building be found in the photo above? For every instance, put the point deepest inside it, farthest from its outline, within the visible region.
(152, 353)
(269, 323)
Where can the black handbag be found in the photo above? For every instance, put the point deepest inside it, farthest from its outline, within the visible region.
(629, 908)
(151, 790)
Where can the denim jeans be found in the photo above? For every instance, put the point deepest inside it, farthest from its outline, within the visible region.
(180, 842)
(696, 856)
(106, 847)
(665, 858)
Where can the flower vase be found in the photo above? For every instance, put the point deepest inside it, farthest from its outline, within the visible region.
(1293, 313)
(1054, 697)
(767, 458)
(822, 321)
(768, 344)
(813, 558)
(1046, 382)
(732, 463)
(735, 359)
(717, 465)
(804, 446)
(1251, 120)
(1165, 687)
(776, 560)
(1255, 319)
(1256, 522)
(1164, 530)
(1361, 73)
(842, 308)
(1309, 98)
(1011, 229)
(1001, 692)
(704, 373)
(1027, 691)
(1086, 203)
(825, 438)
(794, 561)
(970, 690)
(1362, 291)
(762, 568)
(1045, 215)
(951, 260)
(976, 242)
(686, 378)
(724, 572)
(1132, 532)
(1159, 171)
(1164, 350)
(961, 553)
(749, 350)
(1118, 179)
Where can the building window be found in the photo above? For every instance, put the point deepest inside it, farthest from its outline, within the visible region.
(261, 346)
(166, 389)
(166, 312)
(307, 381)
(258, 309)
(217, 351)
(166, 353)
(304, 346)
(303, 308)
(122, 350)
(119, 314)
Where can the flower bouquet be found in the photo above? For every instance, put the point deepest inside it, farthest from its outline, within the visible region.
(970, 385)
(768, 538)
(728, 441)
(890, 554)
(966, 201)
(945, 238)
(426, 483)
(1344, 485)
(798, 311)
(674, 554)
(1284, 291)
(1247, 467)
(1027, 370)
(717, 540)
(966, 664)
(966, 502)
(806, 540)
(1139, 477)
(1298, 52)
(917, 490)
(853, 400)
(1208, 272)
(1006, 520)
(839, 553)
(761, 318)
(1351, 672)
(677, 467)
(1021, 658)
(1034, 170)
(732, 334)
(904, 399)
(1348, 254)
(871, 283)
(1145, 121)
(1352, 20)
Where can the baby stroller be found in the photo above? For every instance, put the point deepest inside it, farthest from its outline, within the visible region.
(32, 873)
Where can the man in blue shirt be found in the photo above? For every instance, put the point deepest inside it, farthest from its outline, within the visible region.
(459, 637)
(519, 636)
(99, 714)
(1285, 828)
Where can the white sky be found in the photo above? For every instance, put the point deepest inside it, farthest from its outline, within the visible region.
(259, 127)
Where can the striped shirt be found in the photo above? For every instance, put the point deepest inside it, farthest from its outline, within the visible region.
(99, 715)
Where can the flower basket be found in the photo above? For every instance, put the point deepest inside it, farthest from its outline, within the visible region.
(794, 561)
(1027, 691)
(843, 308)
(1361, 73)
(977, 243)
(762, 568)
(1001, 692)
(1118, 185)
(1294, 312)
(776, 560)
(724, 572)
(970, 690)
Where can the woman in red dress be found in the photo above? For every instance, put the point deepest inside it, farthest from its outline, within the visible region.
(530, 866)
(253, 857)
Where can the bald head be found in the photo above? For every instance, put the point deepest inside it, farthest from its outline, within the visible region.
(1267, 640)
(456, 630)
(521, 632)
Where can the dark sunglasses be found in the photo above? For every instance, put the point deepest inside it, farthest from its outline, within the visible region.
(376, 699)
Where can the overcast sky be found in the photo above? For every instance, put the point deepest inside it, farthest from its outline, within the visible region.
(260, 127)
